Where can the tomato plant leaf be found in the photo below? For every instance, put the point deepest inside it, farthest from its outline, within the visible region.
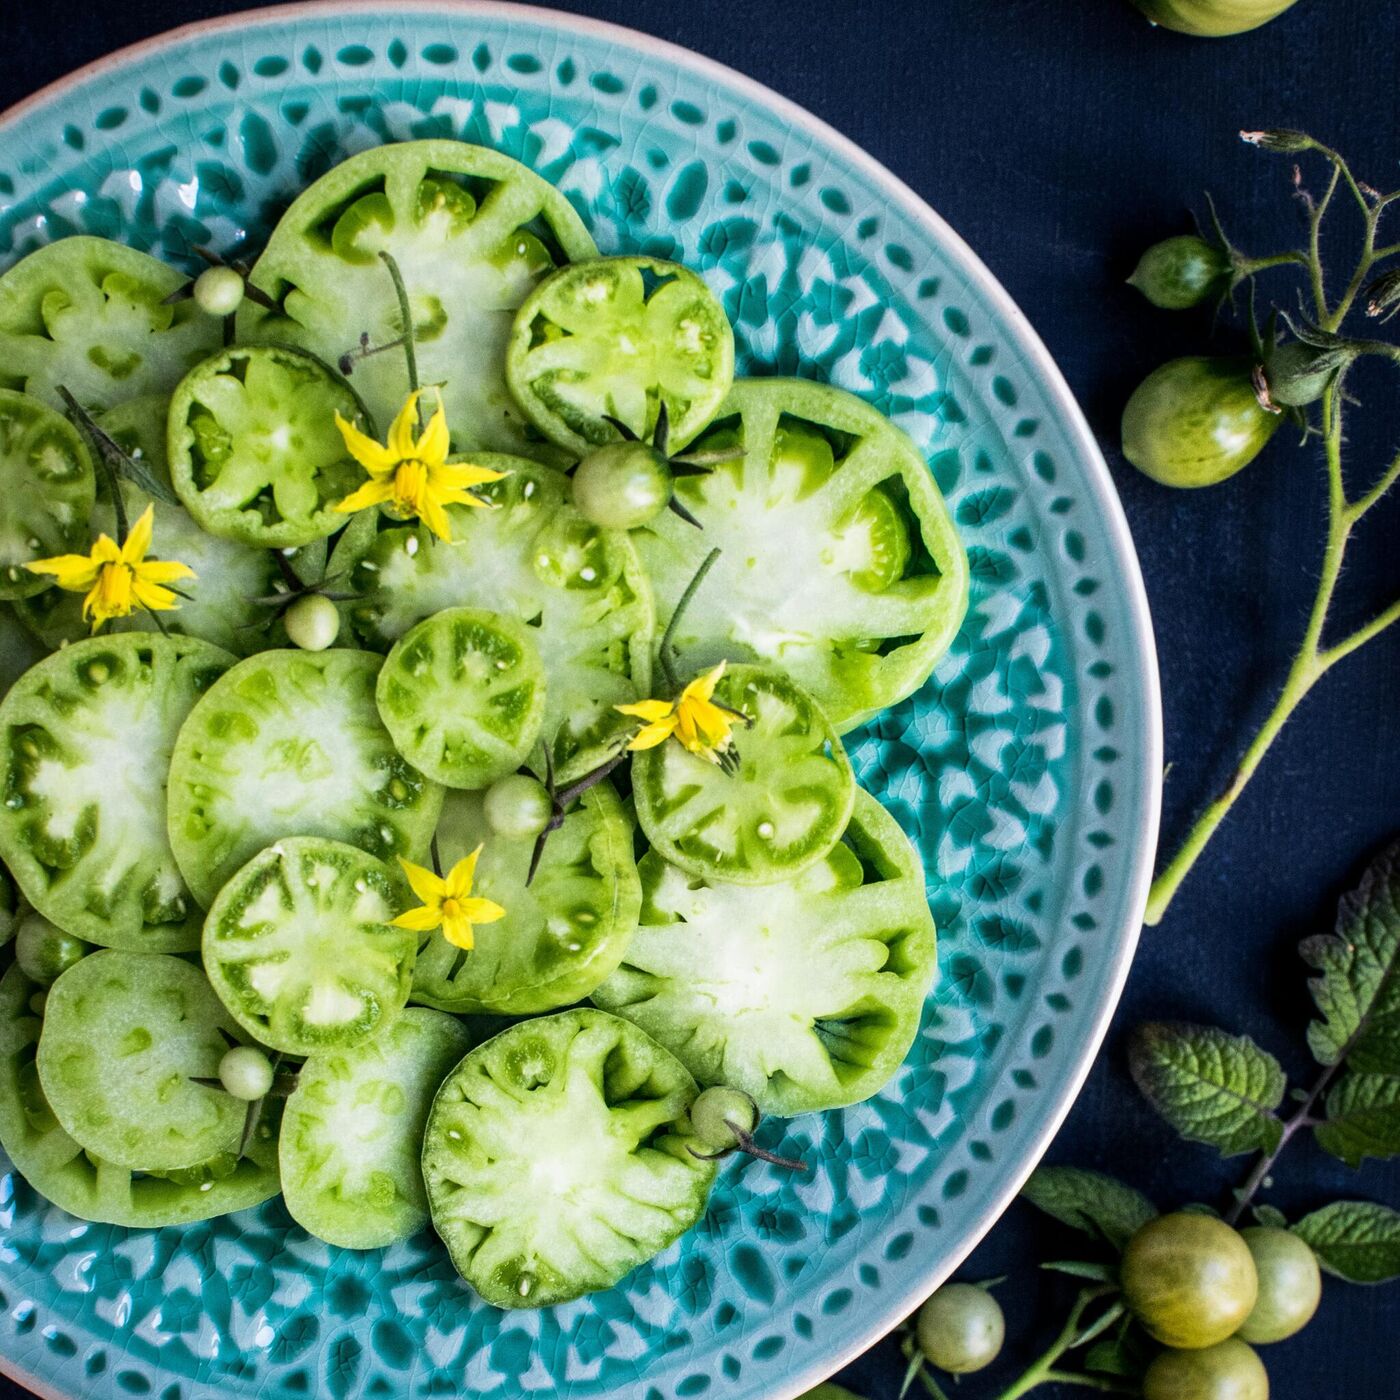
(1356, 1240)
(1363, 1118)
(1082, 1268)
(1270, 1215)
(1215, 1088)
(1099, 1205)
(1358, 992)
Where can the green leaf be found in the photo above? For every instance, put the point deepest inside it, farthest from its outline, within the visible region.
(1211, 1087)
(1363, 1118)
(1270, 1215)
(1082, 1268)
(114, 458)
(1356, 1240)
(1126, 1353)
(1358, 993)
(1100, 1205)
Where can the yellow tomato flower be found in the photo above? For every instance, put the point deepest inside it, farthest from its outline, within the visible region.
(411, 475)
(694, 719)
(118, 579)
(448, 903)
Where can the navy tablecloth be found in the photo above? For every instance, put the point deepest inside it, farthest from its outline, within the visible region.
(1059, 137)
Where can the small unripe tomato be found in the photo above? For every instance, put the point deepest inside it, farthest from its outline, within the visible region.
(1182, 272)
(218, 291)
(1229, 1370)
(828, 1390)
(312, 622)
(960, 1329)
(517, 806)
(44, 952)
(1196, 421)
(246, 1072)
(1212, 19)
(622, 485)
(715, 1114)
(1290, 1284)
(1189, 1280)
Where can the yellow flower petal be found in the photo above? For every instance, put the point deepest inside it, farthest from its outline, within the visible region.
(432, 447)
(138, 538)
(164, 571)
(462, 476)
(481, 911)
(153, 596)
(435, 518)
(649, 710)
(420, 920)
(105, 551)
(372, 493)
(650, 735)
(374, 457)
(703, 687)
(75, 572)
(403, 432)
(426, 884)
(460, 878)
(458, 932)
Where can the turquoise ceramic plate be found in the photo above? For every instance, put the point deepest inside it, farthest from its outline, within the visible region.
(1027, 770)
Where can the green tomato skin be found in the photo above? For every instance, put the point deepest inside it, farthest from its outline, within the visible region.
(218, 291)
(828, 1391)
(1196, 421)
(713, 1113)
(1290, 1284)
(961, 1328)
(1189, 1280)
(1180, 273)
(312, 622)
(622, 485)
(246, 1073)
(1213, 19)
(1230, 1370)
(43, 951)
(517, 807)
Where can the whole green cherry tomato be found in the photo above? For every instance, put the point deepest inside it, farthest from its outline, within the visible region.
(1196, 421)
(1189, 1280)
(1290, 1284)
(44, 952)
(717, 1112)
(622, 485)
(1212, 19)
(961, 1328)
(312, 622)
(1182, 272)
(828, 1391)
(246, 1072)
(218, 291)
(517, 807)
(1229, 1370)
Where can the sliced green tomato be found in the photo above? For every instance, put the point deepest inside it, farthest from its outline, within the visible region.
(462, 694)
(91, 1188)
(805, 994)
(782, 810)
(562, 934)
(91, 315)
(255, 454)
(289, 743)
(618, 337)
(300, 949)
(809, 523)
(471, 231)
(46, 491)
(352, 1132)
(227, 574)
(557, 1159)
(125, 1035)
(85, 744)
(578, 589)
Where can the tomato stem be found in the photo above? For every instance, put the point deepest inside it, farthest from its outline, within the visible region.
(1075, 1333)
(410, 349)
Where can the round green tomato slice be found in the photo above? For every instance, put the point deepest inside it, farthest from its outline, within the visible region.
(557, 1159)
(352, 1132)
(300, 948)
(90, 1187)
(216, 605)
(562, 933)
(254, 451)
(471, 230)
(289, 743)
(827, 501)
(46, 491)
(91, 315)
(578, 589)
(462, 694)
(619, 337)
(805, 994)
(85, 744)
(782, 809)
(125, 1036)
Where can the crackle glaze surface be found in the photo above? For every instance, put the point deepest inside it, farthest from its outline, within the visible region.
(1025, 770)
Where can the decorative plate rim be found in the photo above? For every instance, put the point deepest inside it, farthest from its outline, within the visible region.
(1145, 820)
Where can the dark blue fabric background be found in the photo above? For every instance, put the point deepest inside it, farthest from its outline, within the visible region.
(1059, 137)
